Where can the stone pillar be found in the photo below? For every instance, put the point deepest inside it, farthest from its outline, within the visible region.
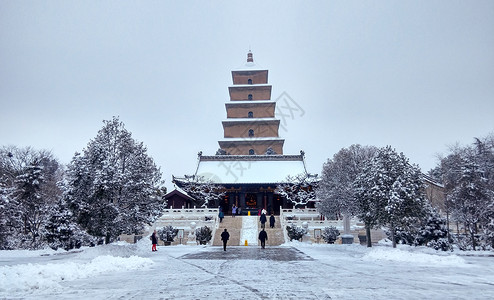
(241, 201)
(347, 237)
(259, 200)
(270, 203)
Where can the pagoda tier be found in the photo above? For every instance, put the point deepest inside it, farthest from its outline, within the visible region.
(246, 109)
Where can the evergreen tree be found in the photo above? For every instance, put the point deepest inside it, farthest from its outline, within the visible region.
(28, 180)
(335, 192)
(434, 233)
(63, 232)
(389, 192)
(472, 199)
(113, 187)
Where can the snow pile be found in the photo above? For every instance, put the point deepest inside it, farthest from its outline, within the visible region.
(397, 255)
(249, 230)
(25, 277)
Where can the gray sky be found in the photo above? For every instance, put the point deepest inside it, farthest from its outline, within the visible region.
(416, 75)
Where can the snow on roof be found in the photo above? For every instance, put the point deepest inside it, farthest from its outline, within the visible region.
(233, 102)
(250, 66)
(250, 169)
(250, 139)
(249, 119)
(249, 85)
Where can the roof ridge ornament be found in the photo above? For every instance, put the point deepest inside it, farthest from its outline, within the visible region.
(250, 58)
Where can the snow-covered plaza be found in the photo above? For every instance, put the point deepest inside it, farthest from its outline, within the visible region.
(292, 271)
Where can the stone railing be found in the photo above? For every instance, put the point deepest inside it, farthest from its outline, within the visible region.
(314, 220)
(182, 218)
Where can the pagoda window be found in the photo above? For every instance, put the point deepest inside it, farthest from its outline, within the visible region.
(249, 97)
(250, 114)
(251, 151)
(251, 132)
(249, 81)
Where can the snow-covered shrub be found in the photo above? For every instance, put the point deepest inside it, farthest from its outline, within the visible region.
(434, 233)
(295, 232)
(431, 233)
(406, 236)
(203, 234)
(167, 233)
(330, 234)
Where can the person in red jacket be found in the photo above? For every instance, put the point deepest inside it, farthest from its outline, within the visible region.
(154, 240)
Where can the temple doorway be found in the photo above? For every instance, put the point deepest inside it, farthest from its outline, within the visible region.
(251, 201)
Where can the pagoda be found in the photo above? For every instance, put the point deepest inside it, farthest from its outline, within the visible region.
(250, 163)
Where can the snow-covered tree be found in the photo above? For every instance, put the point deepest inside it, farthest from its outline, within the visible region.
(113, 186)
(204, 191)
(389, 192)
(472, 199)
(434, 233)
(298, 189)
(28, 192)
(468, 176)
(63, 232)
(335, 193)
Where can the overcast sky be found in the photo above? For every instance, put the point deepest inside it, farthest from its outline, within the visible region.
(416, 75)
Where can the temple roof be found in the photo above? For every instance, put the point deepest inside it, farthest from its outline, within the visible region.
(250, 169)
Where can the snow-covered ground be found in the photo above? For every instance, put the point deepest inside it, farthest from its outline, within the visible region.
(292, 271)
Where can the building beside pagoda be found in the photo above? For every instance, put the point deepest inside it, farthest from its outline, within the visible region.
(250, 163)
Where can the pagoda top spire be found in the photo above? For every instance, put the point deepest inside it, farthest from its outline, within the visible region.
(250, 58)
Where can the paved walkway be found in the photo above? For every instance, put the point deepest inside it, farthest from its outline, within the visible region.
(250, 253)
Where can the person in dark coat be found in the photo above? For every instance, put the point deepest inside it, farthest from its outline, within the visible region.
(224, 237)
(154, 240)
(263, 220)
(221, 215)
(263, 237)
(271, 221)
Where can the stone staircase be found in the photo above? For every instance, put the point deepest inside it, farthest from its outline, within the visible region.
(234, 227)
(275, 235)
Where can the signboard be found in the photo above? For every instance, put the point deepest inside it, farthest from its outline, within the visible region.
(180, 234)
(317, 233)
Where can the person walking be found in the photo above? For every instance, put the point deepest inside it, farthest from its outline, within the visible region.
(234, 211)
(271, 221)
(154, 241)
(221, 215)
(224, 237)
(263, 220)
(263, 237)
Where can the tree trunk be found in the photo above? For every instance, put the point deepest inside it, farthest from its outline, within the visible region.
(368, 235)
(393, 238)
(472, 235)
